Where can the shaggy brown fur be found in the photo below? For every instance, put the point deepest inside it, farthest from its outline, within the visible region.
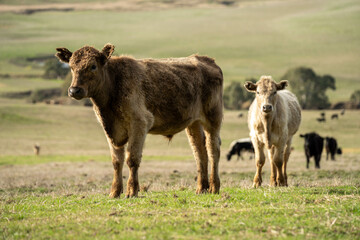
(134, 97)
(274, 117)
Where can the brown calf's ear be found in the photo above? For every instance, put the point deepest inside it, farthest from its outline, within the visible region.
(108, 50)
(251, 87)
(282, 85)
(63, 54)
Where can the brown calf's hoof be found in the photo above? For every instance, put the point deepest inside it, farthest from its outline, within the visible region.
(202, 187)
(132, 191)
(114, 194)
(256, 184)
(131, 194)
(282, 184)
(214, 189)
(201, 190)
(214, 185)
(116, 190)
(273, 183)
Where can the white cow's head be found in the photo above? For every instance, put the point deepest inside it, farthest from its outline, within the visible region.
(266, 92)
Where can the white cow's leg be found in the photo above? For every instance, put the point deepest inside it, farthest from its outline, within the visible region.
(286, 159)
(278, 159)
(259, 161)
(273, 167)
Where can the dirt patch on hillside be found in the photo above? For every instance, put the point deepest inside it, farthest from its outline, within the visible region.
(136, 5)
(95, 177)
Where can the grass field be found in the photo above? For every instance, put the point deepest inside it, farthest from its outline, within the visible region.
(71, 130)
(63, 193)
(299, 213)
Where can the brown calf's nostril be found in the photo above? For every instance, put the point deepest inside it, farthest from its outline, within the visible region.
(74, 90)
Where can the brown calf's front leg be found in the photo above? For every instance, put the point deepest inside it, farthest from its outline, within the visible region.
(117, 155)
(133, 161)
(196, 138)
(133, 158)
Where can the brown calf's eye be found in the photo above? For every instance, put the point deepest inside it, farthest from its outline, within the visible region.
(93, 67)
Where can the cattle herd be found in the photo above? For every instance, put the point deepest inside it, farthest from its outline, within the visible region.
(134, 97)
(314, 145)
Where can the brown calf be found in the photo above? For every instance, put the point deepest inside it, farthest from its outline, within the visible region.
(135, 97)
(36, 149)
(274, 117)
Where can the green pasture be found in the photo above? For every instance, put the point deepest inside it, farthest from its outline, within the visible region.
(247, 41)
(74, 130)
(266, 213)
(22, 84)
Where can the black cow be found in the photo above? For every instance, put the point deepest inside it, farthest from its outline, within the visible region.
(313, 146)
(331, 147)
(322, 119)
(237, 146)
(335, 116)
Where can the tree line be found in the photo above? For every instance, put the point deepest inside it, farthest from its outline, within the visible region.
(309, 87)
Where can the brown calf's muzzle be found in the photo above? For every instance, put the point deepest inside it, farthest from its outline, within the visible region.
(76, 92)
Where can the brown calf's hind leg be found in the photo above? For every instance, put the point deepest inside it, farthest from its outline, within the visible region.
(213, 150)
(117, 155)
(196, 138)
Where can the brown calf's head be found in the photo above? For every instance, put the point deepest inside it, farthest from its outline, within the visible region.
(266, 92)
(86, 66)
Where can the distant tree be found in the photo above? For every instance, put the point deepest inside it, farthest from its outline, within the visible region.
(235, 95)
(66, 84)
(310, 88)
(355, 98)
(55, 69)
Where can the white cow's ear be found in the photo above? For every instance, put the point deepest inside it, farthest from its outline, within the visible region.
(282, 85)
(251, 87)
